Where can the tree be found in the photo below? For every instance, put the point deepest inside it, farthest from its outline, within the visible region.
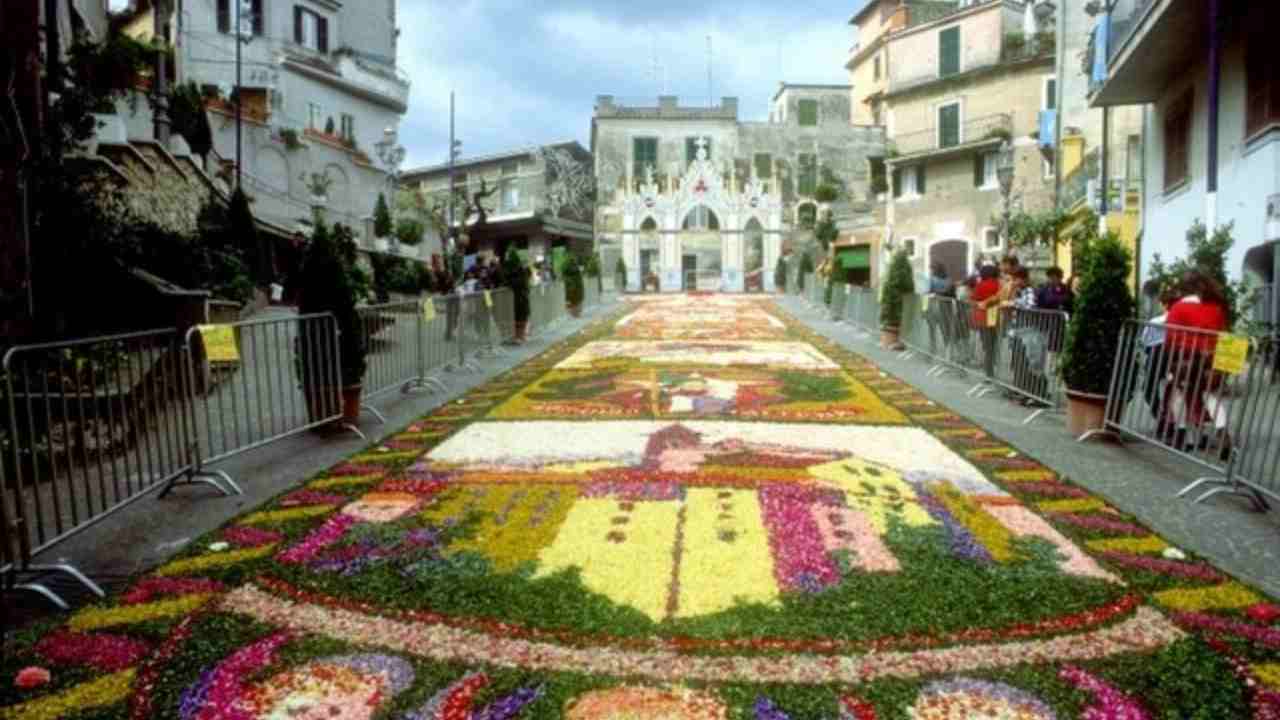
(1102, 306)
(188, 118)
(900, 283)
(593, 270)
(826, 232)
(516, 276)
(780, 275)
(381, 218)
(574, 290)
(409, 231)
(326, 287)
(1207, 254)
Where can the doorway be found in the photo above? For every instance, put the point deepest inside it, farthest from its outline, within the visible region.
(953, 255)
(753, 256)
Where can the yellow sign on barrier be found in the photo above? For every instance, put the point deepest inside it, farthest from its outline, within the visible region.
(428, 309)
(488, 299)
(220, 343)
(1231, 354)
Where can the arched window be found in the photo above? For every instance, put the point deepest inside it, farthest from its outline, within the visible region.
(701, 218)
(649, 226)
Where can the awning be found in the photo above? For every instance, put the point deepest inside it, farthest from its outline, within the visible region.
(855, 258)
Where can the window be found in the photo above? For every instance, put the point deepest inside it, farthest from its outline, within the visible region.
(876, 69)
(949, 52)
(1133, 158)
(310, 30)
(949, 125)
(808, 180)
(251, 20)
(808, 110)
(348, 128)
(510, 195)
(807, 215)
(990, 239)
(1050, 99)
(691, 149)
(701, 218)
(1262, 77)
(315, 117)
(984, 171)
(644, 154)
(909, 182)
(909, 245)
(1177, 141)
(764, 166)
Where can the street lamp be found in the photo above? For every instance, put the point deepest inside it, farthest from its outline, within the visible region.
(391, 153)
(1004, 174)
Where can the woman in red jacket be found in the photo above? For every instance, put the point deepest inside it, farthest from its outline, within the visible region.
(1194, 324)
(986, 293)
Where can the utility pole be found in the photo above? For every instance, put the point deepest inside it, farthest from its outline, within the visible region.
(453, 154)
(160, 16)
(239, 99)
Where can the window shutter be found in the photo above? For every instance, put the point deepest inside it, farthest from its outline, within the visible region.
(322, 34)
(897, 182)
(1051, 94)
(979, 169)
(920, 179)
(949, 126)
(949, 52)
(297, 25)
(256, 6)
(224, 16)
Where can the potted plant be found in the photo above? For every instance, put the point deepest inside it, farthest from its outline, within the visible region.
(381, 218)
(593, 271)
(806, 268)
(574, 290)
(516, 277)
(328, 285)
(1102, 307)
(826, 194)
(409, 232)
(620, 271)
(899, 284)
(780, 276)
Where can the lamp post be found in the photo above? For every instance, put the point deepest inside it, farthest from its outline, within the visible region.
(1004, 174)
(391, 153)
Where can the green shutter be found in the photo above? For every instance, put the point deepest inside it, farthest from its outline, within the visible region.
(764, 166)
(920, 175)
(949, 52)
(645, 152)
(808, 113)
(808, 174)
(949, 126)
(690, 150)
(856, 258)
(979, 172)
(897, 182)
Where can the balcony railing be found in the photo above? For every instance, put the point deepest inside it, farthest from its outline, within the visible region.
(1124, 21)
(986, 129)
(919, 13)
(1076, 186)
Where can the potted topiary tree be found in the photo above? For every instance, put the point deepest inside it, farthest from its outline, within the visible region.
(806, 268)
(1102, 307)
(516, 277)
(381, 221)
(328, 286)
(780, 276)
(574, 290)
(620, 271)
(593, 271)
(900, 283)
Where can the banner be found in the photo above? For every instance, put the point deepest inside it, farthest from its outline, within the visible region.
(220, 343)
(1231, 354)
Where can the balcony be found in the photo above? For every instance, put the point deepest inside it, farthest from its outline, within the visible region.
(974, 134)
(350, 71)
(920, 13)
(1143, 47)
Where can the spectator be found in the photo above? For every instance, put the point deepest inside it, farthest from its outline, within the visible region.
(1194, 323)
(1157, 360)
(1053, 294)
(939, 314)
(985, 295)
(1026, 339)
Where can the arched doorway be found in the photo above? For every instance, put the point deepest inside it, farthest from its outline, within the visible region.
(701, 255)
(648, 247)
(753, 256)
(952, 254)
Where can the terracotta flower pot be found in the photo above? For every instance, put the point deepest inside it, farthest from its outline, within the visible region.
(351, 404)
(889, 338)
(1085, 412)
(575, 310)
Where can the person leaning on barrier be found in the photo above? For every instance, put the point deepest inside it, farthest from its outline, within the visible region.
(1191, 397)
(1156, 360)
(986, 294)
(1027, 340)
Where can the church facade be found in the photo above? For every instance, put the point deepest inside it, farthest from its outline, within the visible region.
(698, 200)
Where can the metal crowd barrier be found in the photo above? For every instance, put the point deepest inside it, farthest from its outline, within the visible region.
(395, 337)
(1184, 390)
(839, 300)
(93, 425)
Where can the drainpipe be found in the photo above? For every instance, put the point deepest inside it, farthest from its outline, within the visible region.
(1215, 77)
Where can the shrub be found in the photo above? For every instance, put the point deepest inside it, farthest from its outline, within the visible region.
(826, 232)
(381, 218)
(780, 275)
(574, 290)
(409, 231)
(806, 268)
(825, 193)
(1102, 306)
(900, 283)
(593, 271)
(516, 276)
(326, 287)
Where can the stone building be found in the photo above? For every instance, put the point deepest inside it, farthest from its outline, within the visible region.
(952, 82)
(536, 198)
(699, 199)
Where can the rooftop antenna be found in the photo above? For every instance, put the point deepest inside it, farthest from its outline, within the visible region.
(710, 94)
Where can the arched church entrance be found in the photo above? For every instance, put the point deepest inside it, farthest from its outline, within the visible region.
(701, 253)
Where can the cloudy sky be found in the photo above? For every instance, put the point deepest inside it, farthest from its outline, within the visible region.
(528, 71)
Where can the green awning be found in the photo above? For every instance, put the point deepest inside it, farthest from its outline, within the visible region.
(855, 258)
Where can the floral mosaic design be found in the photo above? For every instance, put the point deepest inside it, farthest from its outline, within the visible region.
(773, 528)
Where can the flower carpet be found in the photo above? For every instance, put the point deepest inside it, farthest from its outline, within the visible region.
(697, 508)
